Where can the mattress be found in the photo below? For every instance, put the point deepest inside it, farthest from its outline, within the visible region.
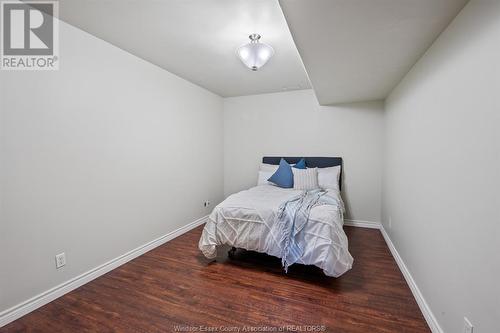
(247, 220)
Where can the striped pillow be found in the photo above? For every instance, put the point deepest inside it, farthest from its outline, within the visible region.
(305, 179)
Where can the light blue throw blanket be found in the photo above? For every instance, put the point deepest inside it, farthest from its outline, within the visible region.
(292, 217)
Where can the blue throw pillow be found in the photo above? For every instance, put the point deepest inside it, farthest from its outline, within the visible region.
(300, 164)
(283, 177)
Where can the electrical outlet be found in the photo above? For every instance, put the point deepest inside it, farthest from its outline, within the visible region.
(60, 260)
(206, 203)
(468, 328)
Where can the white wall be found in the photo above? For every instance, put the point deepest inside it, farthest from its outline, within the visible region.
(102, 156)
(442, 180)
(293, 123)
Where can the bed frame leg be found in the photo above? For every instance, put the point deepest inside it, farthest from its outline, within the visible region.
(231, 252)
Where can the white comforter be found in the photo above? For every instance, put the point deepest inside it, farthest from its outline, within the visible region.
(247, 220)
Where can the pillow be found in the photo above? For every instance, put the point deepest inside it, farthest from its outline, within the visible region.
(328, 178)
(264, 176)
(300, 164)
(305, 179)
(267, 170)
(283, 177)
(268, 167)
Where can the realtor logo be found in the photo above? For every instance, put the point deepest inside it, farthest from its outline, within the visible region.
(29, 35)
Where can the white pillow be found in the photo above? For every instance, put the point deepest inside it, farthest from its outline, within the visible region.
(305, 179)
(263, 177)
(268, 167)
(328, 178)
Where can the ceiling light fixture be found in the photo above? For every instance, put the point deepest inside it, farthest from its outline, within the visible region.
(255, 54)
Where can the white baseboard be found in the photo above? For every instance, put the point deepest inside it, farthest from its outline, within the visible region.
(362, 224)
(34, 303)
(422, 304)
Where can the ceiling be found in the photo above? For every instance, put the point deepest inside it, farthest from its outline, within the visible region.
(358, 50)
(197, 39)
(353, 50)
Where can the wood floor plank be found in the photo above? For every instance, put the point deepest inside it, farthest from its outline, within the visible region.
(175, 286)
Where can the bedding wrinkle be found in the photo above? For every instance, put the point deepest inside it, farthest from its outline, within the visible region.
(250, 220)
(293, 216)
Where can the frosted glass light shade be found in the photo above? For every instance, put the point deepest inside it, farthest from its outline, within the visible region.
(255, 54)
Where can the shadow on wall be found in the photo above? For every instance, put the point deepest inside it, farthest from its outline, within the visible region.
(345, 197)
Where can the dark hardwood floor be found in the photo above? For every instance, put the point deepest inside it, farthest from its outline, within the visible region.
(174, 286)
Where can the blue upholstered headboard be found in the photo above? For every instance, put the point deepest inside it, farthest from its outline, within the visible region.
(311, 162)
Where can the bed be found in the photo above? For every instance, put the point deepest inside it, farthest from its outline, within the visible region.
(248, 220)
